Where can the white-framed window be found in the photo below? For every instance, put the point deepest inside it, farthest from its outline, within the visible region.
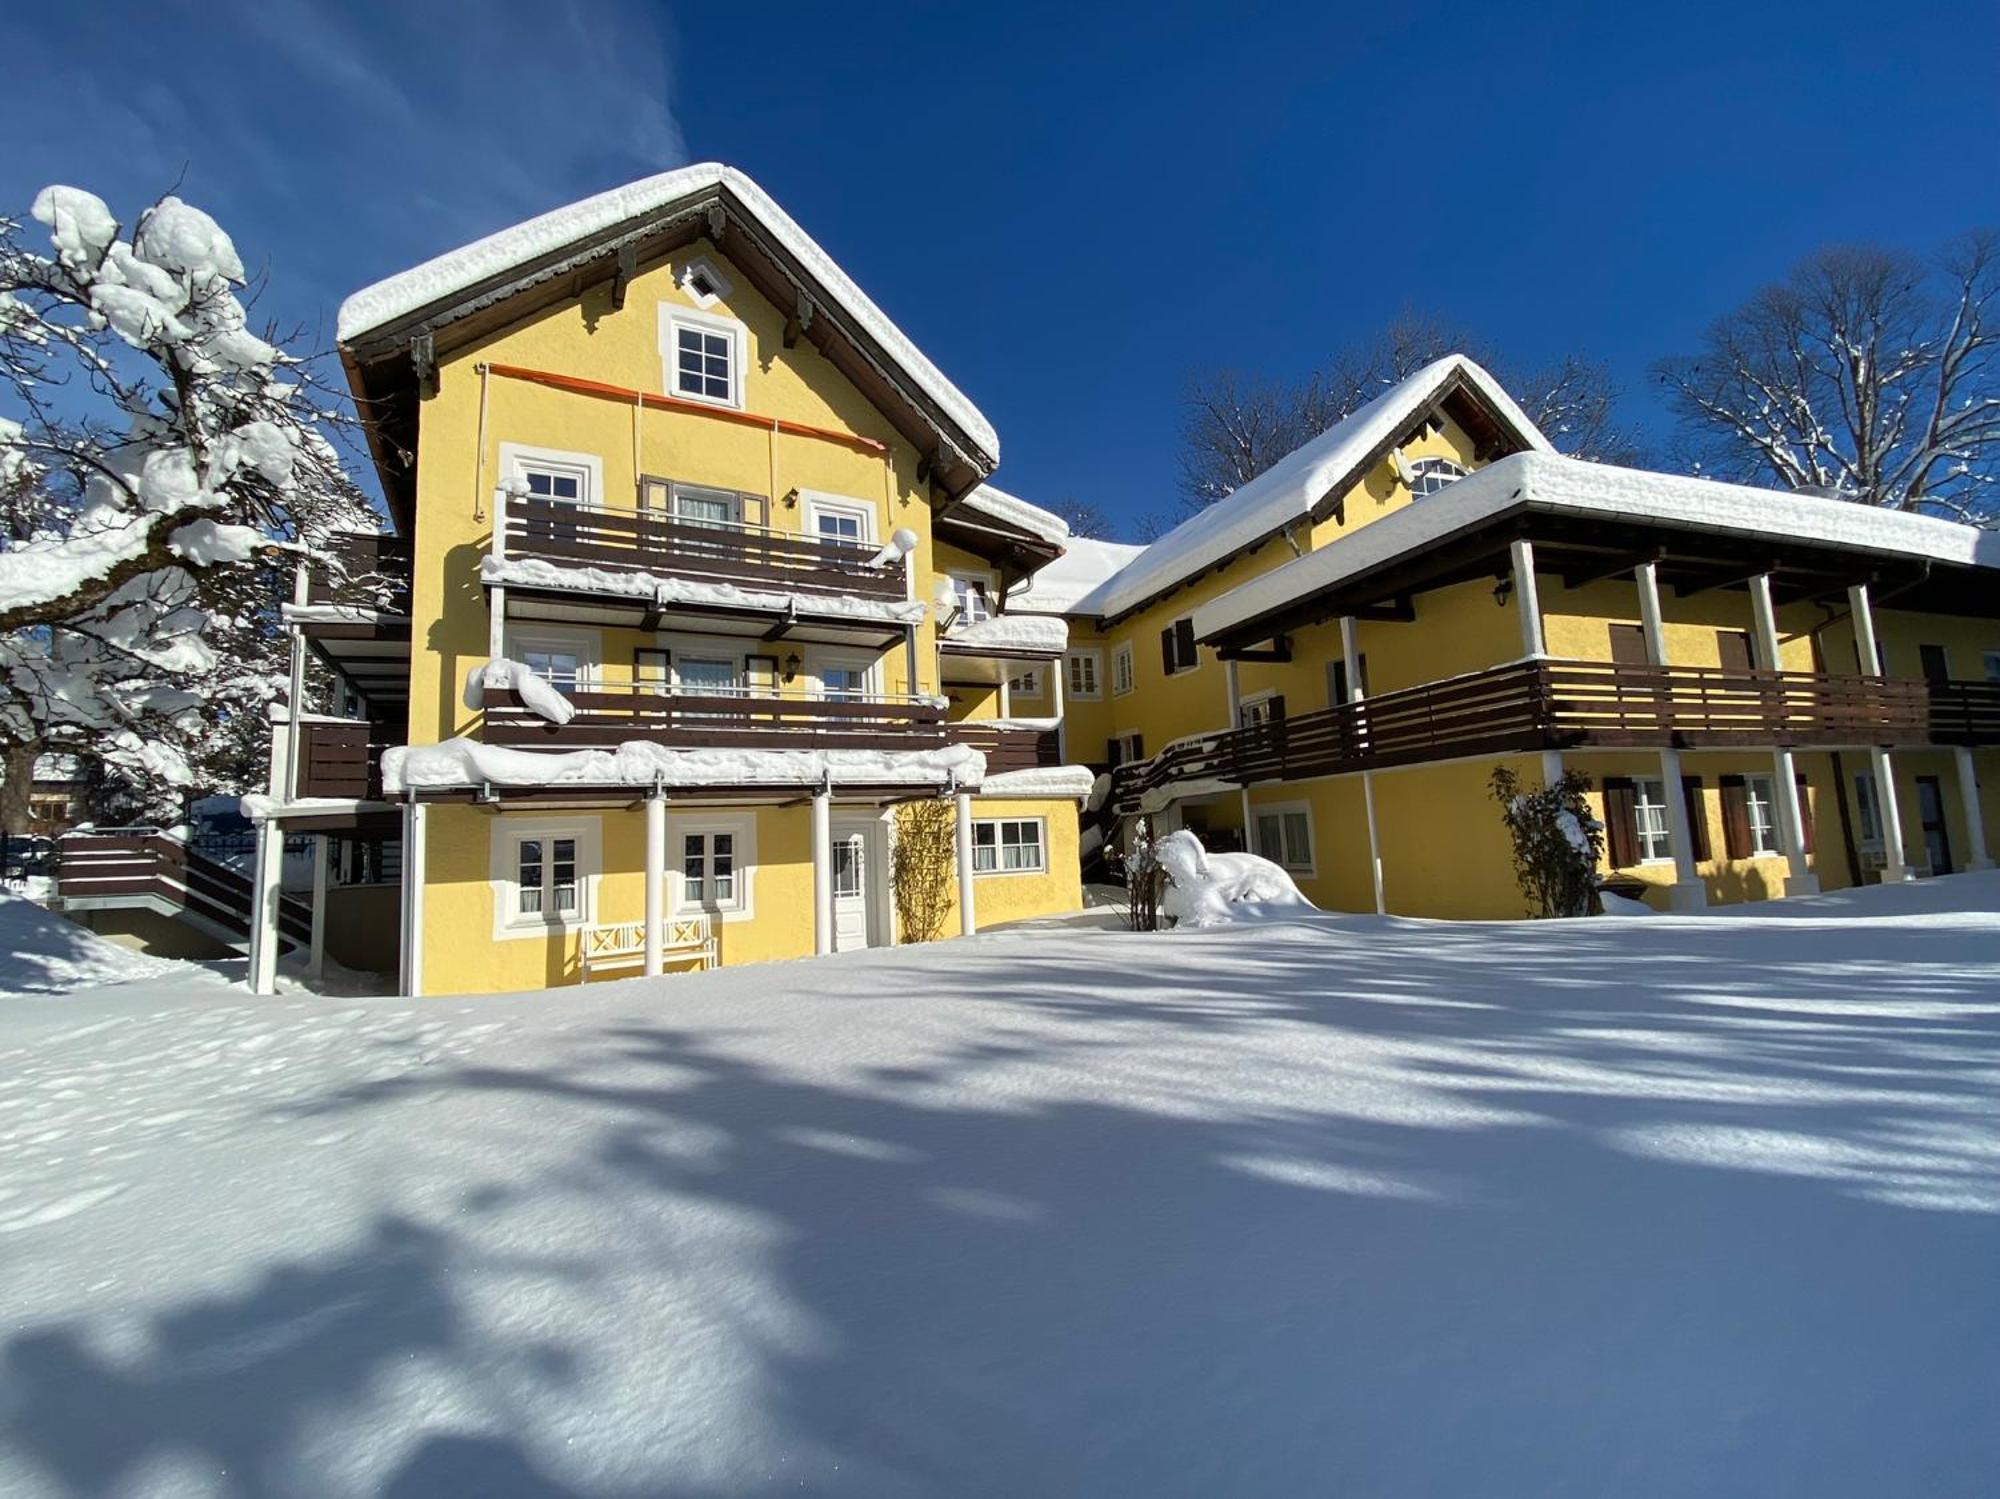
(703, 283)
(1429, 475)
(544, 874)
(971, 594)
(1283, 834)
(1009, 845)
(698, 505)
(1027, 681)
(1121, 668)
(1125, 748)
(1649, 819)
(1084, 673)
(844, 676)
(565, 659)
(1257, 707)
(708, 676)
(550, 474)
(702, 356)
(1761, 809)
(844, 522)
(1869, 808)
(1992, 660)
(712, 863)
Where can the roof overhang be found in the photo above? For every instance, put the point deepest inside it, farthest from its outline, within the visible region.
(391, 364)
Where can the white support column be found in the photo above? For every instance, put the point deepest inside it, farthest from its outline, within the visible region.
(266, 872)
(1527, 598)
(1350, 655)
(1766, 621)
(1894, 868)
(1552, 767)
(822, 861)
(1006, 690)
(656, 883)
(295, 700)
(1059, 670)
(1233, 690)
(1976, 856)
(1688, 892)
(968, 915)
(322, 857)
(414, 814)
(1647, 576)
(1784, 774)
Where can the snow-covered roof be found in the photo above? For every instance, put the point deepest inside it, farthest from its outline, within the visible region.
(1015, 511)
(1070, 782)
(642, 762)
(1011, 632)
(1548, 484)
(459, 271)
(1293, 486)
(1084, 564)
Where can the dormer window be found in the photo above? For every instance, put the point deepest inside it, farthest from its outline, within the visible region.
(1429, 475)
(703, 356)
(703, 283)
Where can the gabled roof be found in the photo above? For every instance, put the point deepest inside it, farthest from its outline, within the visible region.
(1083, 566)
(417, 315)
(995, 503)
(1616, 513)
(1306, 482)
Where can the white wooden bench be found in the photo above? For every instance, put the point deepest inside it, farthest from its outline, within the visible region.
(622, 944)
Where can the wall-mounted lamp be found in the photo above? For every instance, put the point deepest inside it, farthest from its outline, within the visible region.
(1503, 589)
(791, 666)
(792, 499)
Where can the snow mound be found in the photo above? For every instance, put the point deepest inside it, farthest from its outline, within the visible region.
(1012, 632)
(43, 953)
(641, 762)
(1072, 782)
(537, 693)
(1205, 889)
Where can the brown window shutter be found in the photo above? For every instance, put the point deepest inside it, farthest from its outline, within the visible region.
(1735, 817)
(1621, 821)
(1278, 705)
(1184, 641)
(1732, 649)
(1805, 816)
(1111, 755)
(1697, 818)
(1167, 650)
(1628, 645)
(1937, 666)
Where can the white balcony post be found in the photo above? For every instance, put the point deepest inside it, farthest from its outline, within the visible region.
(1784, 774)
(267, 871)
(316, 955)
(1766, 620)
(656, 883)
(1006, 691)
(1350, 655)
(1647, 576)
(1895, 869)
(414, 815)
(1527, 598)
(968, 916)
(1688, 892)
(1976, 856)
(822, 862)
(1059, 669)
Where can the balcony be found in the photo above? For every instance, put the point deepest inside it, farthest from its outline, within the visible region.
(340, 758)
(1529, 706)
(753, 558)
(1008, 748)
(720, 720)
(369, 572)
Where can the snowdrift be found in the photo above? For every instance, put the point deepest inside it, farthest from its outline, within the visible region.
(1205, 889)
(43, 953)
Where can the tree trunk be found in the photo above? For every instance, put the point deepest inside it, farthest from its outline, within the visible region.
(18, 762)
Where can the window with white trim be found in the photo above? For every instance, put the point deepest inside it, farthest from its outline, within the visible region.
(552, 476)
(545, 885)
(697, 505)
(845, 523)
(1429, 475)
(1868, 808)
(564, 659)
(1083, 674)
(968, 593)
(1284, 836)
(1008, 845)
(543, 874)
(702, 355)
(1649, 819)
(1761, 810)
(549, 481)
(712, 863)
(843, 677)
(715, 676)
(1027, 681)
(708, 870)
(1121, 668)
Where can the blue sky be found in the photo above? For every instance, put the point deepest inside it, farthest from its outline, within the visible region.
(1070, 209)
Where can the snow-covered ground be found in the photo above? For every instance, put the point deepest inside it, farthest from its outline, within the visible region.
(1329, 1205)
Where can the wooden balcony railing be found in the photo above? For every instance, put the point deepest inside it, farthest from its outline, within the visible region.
(1535, 705)
(132, 865)
(1008, 748)
(751, 557)
(340, 759)
(366, 572)
(710, 720)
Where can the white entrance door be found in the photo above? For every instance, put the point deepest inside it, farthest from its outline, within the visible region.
(851, 876)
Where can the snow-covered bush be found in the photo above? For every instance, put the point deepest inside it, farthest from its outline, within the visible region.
(923, 867)
(1557, 843)
(1205, 889)
(158, 462)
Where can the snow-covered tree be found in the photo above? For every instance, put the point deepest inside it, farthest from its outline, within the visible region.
(1866, 373)
(159, 463)
(1234, 427)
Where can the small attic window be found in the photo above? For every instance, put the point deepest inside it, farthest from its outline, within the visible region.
(703, 283)
(1429, 475)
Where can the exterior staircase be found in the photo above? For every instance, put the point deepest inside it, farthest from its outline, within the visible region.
(148, 869)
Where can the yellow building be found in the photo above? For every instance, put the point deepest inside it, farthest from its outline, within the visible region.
(694, 583)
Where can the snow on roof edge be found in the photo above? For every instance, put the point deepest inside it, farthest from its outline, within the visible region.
(994, 501)
(457, 270)
(1290, 487)
(1551, 484)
